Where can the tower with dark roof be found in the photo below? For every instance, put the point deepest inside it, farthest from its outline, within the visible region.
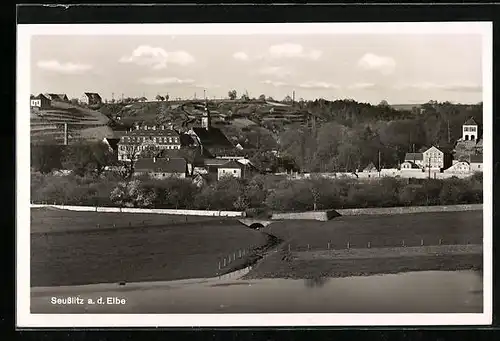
(470, 130)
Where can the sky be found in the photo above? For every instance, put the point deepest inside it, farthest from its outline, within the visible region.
(398, 68)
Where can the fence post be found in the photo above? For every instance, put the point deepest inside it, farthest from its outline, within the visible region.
(369, 244)
(224, 261)
(234, 256)
(328, 246)
(289, 247)
(239, 253)
(348, 245)
(219, 265)
(440, 241)
(308, 247)
(421, 242)
(403, 243)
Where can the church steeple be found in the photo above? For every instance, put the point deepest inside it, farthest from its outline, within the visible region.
(469, 130)
(205, 120)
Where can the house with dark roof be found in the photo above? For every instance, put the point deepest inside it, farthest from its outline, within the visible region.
(40, 102)
(90, 98)
(57, 97)
(161, 168)
(410, 165)
(416, 158)
(476, 162)
(459, 167)
(230, 168)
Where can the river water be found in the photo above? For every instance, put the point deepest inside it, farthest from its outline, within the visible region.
(412, 292)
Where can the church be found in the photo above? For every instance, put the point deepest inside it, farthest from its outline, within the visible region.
(471, 143)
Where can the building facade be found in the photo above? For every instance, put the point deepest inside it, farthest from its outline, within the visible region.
(230, 168)
(161, 168)
(133, 143)
(470, 130)
(433, 158)
(91, 98)
(40, 102)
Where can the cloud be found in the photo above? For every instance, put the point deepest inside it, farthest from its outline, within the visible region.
(274, 83)
(457, 87)
(372, 62)
(277, 71)
(288, 50)
(207, 86)
(166, 80)
(282, 51)
(363, 86)
(241, 56)
(66, 68)
(157, 58)
(318, 85)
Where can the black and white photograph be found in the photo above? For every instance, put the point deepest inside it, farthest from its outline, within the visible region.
(254, 174)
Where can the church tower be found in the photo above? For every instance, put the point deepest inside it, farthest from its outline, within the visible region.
(469, 130)
(205, 119)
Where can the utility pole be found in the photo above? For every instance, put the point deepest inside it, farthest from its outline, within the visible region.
(113, 96)
(379, 163)
(293, 97)
(204, 94)
(449, 138)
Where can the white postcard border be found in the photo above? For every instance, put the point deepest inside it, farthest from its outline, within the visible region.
(25, 319)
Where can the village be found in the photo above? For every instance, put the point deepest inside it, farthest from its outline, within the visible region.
(160, 151)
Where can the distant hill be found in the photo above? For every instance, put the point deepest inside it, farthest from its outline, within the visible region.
(407, 107)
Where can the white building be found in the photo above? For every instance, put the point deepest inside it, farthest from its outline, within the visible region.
(230, 168)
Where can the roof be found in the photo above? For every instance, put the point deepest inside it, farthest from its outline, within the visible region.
(215, 162)
(92, 95)
(41, 96)
(231, 164)
(414, 156)
(56, 96)
(470, 122)
(212, 137)
(370, 167)
(476, 158)
(152, 132)
(165, 165)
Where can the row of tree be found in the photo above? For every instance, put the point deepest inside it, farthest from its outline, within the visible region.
(262, 193)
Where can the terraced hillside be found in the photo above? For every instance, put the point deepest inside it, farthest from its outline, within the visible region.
(49, 124)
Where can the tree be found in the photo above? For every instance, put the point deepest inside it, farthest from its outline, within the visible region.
(159, 98)
(87, 158)
(75, 101)
(383, 103)
(46, 157)
(232, 94)
(245, 97)
(262, 97)
(166, 97)
(287, 99)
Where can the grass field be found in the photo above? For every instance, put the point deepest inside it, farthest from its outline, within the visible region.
(382, 232)
(68, 249)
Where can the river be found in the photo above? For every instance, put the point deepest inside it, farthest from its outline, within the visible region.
(411, 292)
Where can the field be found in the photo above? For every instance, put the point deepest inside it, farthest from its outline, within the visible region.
(70, 248)
(67, 248)
(388, 236)
(383, 230)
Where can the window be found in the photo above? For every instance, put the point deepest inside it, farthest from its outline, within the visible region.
(466, 128)
(169, 139)
(154, 139)
(234, 171)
